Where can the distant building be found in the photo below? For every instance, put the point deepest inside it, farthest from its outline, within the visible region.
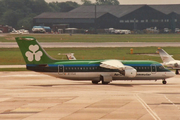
(116, 16)
(5, 28)
(77, 19)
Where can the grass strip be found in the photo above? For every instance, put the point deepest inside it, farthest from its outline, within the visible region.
(97, 37)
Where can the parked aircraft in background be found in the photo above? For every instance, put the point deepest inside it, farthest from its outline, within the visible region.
(94, 70)
(169, 61)
(70, 56)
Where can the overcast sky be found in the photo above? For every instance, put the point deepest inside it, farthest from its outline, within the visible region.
(130, 1)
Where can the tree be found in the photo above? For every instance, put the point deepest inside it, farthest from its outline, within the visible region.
(107, 2)
(67, 6)
(62, 6)
(86, 2)
(39, 6)
(11, 17)
(53, 7)
(18, 13)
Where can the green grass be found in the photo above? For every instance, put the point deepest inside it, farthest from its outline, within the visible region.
(13, 56)
(13, 69)
(97, 38)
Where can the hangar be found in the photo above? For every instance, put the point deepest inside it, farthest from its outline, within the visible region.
(81, 20)
(131, 17)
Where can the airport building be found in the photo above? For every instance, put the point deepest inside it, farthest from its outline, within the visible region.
(132, 17)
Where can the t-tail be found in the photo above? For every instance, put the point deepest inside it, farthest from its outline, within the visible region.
(165, 56)
(32, 52)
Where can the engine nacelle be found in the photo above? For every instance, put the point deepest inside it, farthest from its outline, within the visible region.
(129, 72)
(176, 65)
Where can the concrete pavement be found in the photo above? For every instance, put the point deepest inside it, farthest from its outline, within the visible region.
(35, 96)
(96, 44)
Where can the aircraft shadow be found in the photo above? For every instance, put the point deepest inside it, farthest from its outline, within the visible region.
(111, 84)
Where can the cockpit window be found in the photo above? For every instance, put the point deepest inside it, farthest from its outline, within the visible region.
(161, 67)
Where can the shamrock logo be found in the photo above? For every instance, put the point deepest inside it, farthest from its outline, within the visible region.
(34, 53)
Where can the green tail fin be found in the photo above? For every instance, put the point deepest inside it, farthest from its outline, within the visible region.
(32, 52)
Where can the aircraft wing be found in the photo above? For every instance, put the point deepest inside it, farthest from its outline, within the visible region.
(127, 71)
(112, 64)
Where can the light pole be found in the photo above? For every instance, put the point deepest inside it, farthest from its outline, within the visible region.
(95, 15)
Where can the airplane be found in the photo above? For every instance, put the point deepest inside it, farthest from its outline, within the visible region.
(70, 56)
(104, 71)
(169, 61)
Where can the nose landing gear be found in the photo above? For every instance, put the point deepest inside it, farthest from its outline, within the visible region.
(164, 81)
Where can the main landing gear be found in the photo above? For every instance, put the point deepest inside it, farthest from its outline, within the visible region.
(105, 79)
(96, 82)
(177, 71)
(164, 81)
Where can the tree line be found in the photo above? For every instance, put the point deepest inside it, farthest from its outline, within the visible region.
(19, 13)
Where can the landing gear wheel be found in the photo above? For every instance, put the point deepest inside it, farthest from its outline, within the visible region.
(95, 82)
(105, 80)
(164, 81)
(177, 71)
(105, 83)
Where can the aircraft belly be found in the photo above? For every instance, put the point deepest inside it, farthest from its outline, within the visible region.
(143, 76)
(115, 75)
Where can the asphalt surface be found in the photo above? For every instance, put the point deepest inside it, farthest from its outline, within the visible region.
(35, 96)
(98, 44)
(12, 66)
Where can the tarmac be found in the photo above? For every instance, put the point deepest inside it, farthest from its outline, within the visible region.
(12, 66)
(35, 96)
(95, 44)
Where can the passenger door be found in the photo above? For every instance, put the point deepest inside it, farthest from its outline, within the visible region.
(153, 69)
(60, 69)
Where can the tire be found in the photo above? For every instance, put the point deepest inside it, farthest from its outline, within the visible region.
(164, 82)
(95, 82)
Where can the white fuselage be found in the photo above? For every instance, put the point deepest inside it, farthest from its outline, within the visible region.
(115, 75)
(175, 64)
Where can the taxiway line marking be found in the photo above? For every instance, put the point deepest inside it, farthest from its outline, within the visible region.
(149, 110)
(172, 102)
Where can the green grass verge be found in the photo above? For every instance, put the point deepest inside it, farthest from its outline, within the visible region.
(97, 38)
(12, 56)
(13, 69)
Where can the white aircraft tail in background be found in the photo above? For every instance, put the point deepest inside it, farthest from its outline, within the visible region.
(169, 61)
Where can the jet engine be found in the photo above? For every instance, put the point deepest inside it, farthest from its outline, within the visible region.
(129, 72)
(176, 65)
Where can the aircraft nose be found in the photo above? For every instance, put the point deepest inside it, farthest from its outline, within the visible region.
(171, 74)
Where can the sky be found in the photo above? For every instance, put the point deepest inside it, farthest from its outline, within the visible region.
(130, 1)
